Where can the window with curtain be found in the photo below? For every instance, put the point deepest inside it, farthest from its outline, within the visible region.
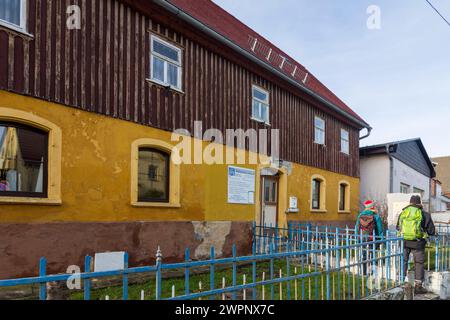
(343, 206)
(166, 63)
(319, 130)
(260, 109)
(316, 194)
(11, 13)
(153, 175)
(23, 161)
(345, 142)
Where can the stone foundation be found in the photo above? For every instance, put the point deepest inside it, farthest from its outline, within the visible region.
(65, 244)
(438, 283)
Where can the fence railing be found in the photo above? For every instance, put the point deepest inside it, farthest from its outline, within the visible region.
(333, 267)
(438, 250)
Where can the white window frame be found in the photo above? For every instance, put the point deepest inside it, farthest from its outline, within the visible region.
(166, 60)
(346, 141)
(23, 19)
(263, 102)
(324, 129)
(406, 186)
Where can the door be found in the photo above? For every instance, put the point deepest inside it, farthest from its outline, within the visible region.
(269, 203)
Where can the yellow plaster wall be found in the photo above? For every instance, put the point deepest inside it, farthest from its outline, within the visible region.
(95, 177)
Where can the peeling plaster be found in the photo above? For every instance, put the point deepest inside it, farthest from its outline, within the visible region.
(211, 234)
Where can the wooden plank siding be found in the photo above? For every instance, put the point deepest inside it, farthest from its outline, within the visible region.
(103, 68)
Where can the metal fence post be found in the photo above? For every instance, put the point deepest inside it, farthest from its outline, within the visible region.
(87, 282)
(186, 271)
(42, 273)
(436, 259)
(211, 273)
(234, 272)
(254, 292)
(158, 273)
(125, 277)
(272, 289)
(327, 266)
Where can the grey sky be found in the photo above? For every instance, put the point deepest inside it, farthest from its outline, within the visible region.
(396, 78)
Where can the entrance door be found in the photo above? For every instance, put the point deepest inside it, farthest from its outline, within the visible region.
(269, 205)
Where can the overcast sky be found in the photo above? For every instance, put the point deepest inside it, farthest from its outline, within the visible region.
(397, 78)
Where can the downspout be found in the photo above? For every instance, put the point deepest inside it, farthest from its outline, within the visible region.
(192, 21)
(369, 131)
(391, 169)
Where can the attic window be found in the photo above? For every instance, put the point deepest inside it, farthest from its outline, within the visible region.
(13, 14)
(166, 68)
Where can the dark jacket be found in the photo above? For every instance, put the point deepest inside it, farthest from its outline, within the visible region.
(427, 226)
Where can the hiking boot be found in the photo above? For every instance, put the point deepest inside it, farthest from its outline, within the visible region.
(419, 289)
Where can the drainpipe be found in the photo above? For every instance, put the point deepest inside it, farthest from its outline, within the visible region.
(369, 131)
(391, 169)
(194, 22)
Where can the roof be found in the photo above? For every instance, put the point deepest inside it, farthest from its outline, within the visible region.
(225, 24)
(394, 149)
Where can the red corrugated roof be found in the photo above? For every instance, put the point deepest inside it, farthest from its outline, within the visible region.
(230, 27)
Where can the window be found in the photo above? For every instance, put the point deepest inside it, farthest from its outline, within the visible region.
(153, 175)
(419, 191)
(345, 141)
(13, 13)
(344, 197)
(270, 191)
(319, 130)
(404, 188)
(260, 109)
(316, 194)
(165, 63)
(23, 161)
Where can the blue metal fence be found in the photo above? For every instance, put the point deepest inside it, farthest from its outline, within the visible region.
(315, 265)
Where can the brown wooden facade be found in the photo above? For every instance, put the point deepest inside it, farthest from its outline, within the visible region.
(104, 68)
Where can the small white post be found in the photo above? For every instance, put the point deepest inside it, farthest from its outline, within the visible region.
(107, 298)
(263, 287)
(245, 291)
(296, 286)
(223, 287)
(200, 288)
(142, 295)
(173, 291)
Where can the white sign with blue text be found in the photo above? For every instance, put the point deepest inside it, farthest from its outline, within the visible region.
(241, 185)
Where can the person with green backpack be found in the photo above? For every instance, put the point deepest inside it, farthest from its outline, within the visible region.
(415, 225)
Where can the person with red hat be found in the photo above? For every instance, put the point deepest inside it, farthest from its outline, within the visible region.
(368, 224)
(369, 221)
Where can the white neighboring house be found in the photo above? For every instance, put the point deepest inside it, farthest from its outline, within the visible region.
(396, 167)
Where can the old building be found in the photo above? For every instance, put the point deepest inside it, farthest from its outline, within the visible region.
(443, 173)
(396, 167)
(87, 114)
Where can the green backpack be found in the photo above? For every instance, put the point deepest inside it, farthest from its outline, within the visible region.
(410, 224)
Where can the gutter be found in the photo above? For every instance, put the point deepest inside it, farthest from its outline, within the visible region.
(194, 22)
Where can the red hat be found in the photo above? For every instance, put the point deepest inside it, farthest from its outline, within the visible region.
(369, 204)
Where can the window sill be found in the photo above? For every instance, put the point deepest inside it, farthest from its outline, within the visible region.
(164, 86)
(30, 201)
(345, 154)
(260, 121)
(155, 205)
(15, 30)
(320, 144)
(344, 212)
(318, 211)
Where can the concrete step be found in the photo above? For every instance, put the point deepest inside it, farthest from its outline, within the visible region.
(427, 296)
